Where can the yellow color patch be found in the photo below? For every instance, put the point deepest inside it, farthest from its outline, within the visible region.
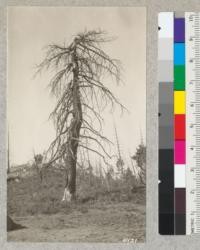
(179, 102)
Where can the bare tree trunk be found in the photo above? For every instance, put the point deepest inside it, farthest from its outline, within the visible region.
(72, 177)
(74, 132)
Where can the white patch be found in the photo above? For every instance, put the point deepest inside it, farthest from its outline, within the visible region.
(66, 196)
(179, 176)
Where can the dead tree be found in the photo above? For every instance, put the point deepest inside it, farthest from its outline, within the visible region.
(140, 158)
(79, 84)
(120, 162)
(38, 164)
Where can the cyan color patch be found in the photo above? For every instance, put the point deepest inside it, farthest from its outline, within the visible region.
(179, 53)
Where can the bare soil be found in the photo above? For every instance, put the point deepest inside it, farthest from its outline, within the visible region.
(98, 215)
(120, 222)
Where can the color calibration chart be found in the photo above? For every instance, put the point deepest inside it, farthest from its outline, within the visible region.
(179, 122)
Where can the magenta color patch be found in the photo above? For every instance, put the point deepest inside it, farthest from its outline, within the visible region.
(179, 152)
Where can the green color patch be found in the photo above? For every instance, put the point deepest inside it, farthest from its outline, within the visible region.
(179, 77)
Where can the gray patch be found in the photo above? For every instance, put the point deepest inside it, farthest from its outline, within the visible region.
(166, 138)
(166, 115)
(165, 49)
(165, 71)
(166, 93)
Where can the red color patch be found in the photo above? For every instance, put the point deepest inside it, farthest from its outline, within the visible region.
(179, 130)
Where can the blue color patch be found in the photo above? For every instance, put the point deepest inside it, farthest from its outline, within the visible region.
(179, 53)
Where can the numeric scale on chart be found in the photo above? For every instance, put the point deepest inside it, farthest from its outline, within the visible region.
(179, 123)
(193, 122)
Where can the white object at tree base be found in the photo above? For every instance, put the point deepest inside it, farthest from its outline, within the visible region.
(67, 196)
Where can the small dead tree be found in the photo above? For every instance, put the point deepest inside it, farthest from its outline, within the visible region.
(38, 158)
(120, 162)
(140, 158)
(79, 84)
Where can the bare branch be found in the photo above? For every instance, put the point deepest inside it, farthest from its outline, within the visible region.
(94, 151)
(95, 140)
(82, 94)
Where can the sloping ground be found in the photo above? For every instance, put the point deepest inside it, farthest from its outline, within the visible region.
(97, 216)
(117, 222)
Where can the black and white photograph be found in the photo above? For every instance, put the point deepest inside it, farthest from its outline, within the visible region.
(76, 124)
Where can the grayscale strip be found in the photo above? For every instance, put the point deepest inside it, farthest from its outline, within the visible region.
(166, 122)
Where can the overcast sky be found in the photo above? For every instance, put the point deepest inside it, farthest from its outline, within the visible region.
(30, 29)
